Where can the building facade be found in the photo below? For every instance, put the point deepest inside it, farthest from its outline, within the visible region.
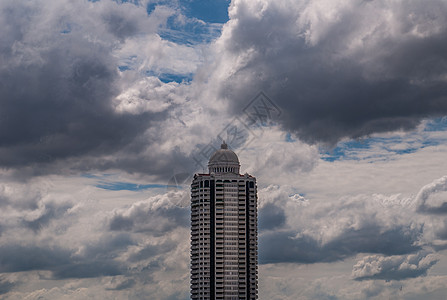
(224, 247)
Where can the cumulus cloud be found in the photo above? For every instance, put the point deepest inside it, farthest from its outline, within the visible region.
(95, 260)
(306, 249)
(287, 281)
(320, 231)
(78, 111)
(156, 215)
(64, 88)
(120, 283)
(336, 68)
(316, 230)
(428, 193)
(147, 94)
(394, 267)
(271, 217)
(32, 207)
(51, 239)
(66, 105)
(5, 285)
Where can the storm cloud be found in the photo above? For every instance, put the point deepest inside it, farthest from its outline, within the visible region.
(59, 86)
(338, 68)
(306, 249)
(271, 217)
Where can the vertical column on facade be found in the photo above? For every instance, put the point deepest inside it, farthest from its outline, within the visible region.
(247, 239)
(195, 240)
(231, 237)
(212, 235)
(201, 240)
(252, 238)
(219, 244)
(242, 261)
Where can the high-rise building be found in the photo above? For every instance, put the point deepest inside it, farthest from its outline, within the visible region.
(224, 254)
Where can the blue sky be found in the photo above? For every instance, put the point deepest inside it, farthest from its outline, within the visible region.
(409, 143)
(207, 11)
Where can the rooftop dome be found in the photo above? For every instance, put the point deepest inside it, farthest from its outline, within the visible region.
(224, 160)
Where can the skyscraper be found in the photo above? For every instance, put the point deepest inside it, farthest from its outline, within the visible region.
(224, 254)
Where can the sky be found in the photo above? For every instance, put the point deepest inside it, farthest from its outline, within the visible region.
(108, 108)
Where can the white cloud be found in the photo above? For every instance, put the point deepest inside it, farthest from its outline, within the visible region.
(394, 267)
(146, 95)
(427, 192)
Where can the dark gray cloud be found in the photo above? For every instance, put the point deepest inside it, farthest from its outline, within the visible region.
(58, 78)
(17, 258)
(284, 246)
(6, 286)
(440, 210)
(121, 223)
(145, 216)
(127, 256)
(30, 207)
(440, 234)
(354, 69)
(271, 217)
(95, 260)
(88, 269)
(98, 259)
(125, 284)
(150, 251)
(108, 247)
(50, 212)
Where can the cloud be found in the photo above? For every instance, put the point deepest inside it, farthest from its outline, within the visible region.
(441, 233)
(157, 215)
(428, 192)
(49, 238)
(337, 69)
(306, 249)
(288, 281)
(271, 217)
(150, 251)
(63, 88)
(96, 260)
(32, 207)
(120, 283)
(37, 219)
(89, 269)
(394, 267)
(333, 229)
(6, 286)
(65, 104)
(17, 258)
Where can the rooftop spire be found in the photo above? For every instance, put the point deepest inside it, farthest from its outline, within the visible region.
(224, 145)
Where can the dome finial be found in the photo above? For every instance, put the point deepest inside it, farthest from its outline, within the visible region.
(224, 145)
